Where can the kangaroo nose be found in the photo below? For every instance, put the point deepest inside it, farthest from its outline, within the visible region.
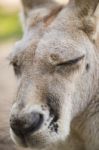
(27, 124)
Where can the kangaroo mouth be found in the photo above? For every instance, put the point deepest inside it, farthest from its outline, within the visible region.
(23, 142)
(38, 138)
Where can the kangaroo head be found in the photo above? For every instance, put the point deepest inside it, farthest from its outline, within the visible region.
(56, 63)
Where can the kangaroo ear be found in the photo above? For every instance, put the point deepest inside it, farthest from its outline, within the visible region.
(29, 5)
(86, 7)
(87, 12)
(39, 10)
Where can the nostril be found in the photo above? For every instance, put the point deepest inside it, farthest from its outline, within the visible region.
(34, 122)
(27, 124)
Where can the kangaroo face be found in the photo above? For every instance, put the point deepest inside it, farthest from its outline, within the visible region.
(56, 68)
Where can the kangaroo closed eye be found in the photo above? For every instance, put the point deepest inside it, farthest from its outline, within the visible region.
(71, 62)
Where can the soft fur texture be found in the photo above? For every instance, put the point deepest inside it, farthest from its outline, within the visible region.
(57, 63)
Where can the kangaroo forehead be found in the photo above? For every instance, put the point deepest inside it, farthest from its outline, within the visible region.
(66, 45)
(63, 47)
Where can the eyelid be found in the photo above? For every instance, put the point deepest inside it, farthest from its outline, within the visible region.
(71, 62)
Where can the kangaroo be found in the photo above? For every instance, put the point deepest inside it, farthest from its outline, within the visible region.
(57, 66)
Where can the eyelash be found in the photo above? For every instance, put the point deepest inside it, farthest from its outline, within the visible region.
(71, 62)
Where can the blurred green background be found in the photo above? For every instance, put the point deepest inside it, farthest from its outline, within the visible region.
(10, 32)
(10, 27)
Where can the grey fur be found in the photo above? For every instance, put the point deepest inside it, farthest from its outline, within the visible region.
(52, 78)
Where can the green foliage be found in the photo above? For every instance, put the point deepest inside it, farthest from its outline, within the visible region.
(10, 27)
